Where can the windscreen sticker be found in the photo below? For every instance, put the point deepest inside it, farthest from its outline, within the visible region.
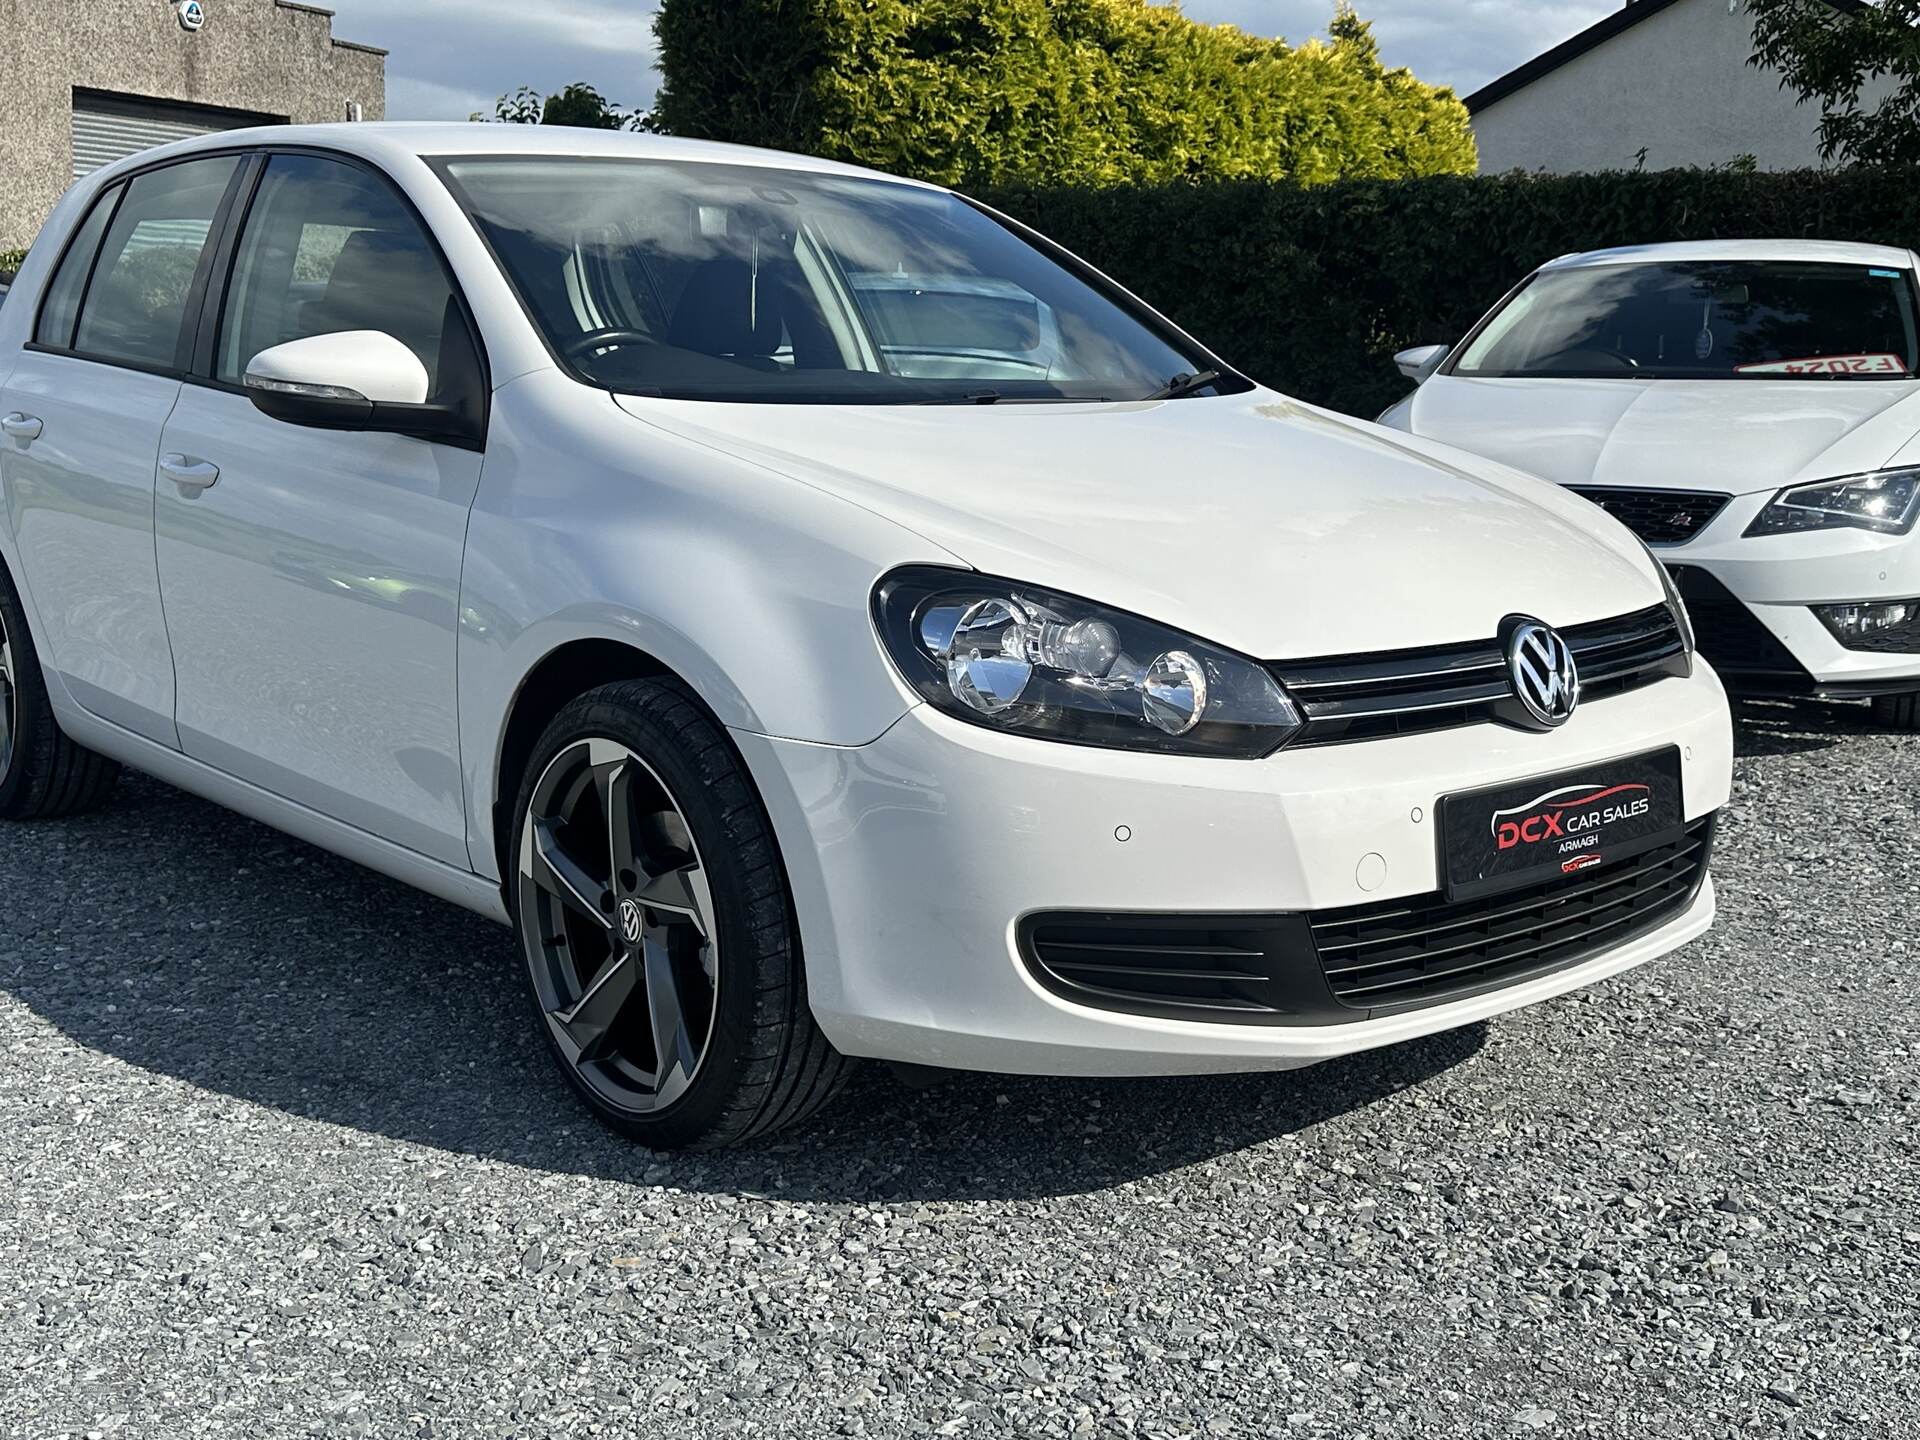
(1884, 274)
(1829, 365)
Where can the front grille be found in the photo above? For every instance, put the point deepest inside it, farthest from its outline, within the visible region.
(1732, 638)
(1404, 692)
(1426, 950)
(1659, 517)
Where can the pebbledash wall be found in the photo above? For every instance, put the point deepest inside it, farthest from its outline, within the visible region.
(87, 81)
(1670, 77)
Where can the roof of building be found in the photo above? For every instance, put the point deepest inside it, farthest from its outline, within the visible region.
(1592, 37)
(1831, 251)
(332, 39)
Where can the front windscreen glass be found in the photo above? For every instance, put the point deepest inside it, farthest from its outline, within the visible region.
(721, 282)
(1721, 320)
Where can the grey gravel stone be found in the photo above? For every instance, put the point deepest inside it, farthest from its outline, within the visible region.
(280, 1156)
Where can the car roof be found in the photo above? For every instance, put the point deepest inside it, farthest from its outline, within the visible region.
(1830, 251)
(387, 141)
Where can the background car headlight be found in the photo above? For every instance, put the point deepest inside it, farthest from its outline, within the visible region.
(1022, 659)
(1887, 502)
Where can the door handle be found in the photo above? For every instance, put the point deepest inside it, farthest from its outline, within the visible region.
(22, 427)
(192, 476)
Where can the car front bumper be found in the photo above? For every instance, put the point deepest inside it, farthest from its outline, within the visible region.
(1752, 598)
(914, 859)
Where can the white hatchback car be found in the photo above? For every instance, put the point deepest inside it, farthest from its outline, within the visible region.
(538, 517)
(1751, 410)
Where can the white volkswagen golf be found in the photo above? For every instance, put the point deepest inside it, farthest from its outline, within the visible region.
(823, 618)
(1751, 410)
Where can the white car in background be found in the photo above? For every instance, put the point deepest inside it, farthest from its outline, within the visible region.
(1751, 410)
(962, 668)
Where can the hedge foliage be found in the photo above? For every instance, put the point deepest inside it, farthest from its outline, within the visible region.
(11, 261)
(1313, 290)
(1086, 92)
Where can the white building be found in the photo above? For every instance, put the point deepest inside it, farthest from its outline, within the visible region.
(1668, 76)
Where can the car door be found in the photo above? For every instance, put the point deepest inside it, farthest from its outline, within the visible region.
(80, 423)
(311, 577)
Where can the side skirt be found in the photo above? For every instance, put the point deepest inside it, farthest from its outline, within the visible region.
(461, 887)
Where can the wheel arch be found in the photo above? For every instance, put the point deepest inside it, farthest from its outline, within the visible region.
(561, 676)
(563, 673)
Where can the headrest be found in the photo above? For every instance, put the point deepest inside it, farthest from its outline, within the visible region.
(727, 309)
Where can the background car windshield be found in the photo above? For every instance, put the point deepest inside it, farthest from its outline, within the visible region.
(1741, 320)
(721, 282)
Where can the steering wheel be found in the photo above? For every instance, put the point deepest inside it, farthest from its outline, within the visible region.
(605, 340)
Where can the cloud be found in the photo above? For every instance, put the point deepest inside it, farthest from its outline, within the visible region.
(449, 58)
(1462, 43)
(452, 57)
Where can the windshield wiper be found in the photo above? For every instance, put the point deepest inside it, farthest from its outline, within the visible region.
(971, 397)
(1184, 384)
(994, 397)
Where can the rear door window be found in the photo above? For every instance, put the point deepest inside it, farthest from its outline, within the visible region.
(70, 280)
(135, 307)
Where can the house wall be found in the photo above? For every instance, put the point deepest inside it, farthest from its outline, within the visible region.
(1678, 83)
(266, 56)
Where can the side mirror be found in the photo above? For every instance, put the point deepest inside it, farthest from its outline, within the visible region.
(351, 380)
(1419, 363)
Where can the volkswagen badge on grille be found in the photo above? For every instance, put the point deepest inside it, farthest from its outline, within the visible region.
(1541, 669)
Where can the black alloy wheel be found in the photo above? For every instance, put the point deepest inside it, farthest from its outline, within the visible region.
(623, 943)
(657, 927)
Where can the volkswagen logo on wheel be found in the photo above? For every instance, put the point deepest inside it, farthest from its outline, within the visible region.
(630, 922)
(1541, 670)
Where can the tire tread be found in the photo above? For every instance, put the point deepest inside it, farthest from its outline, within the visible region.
(51, 775)
(1897, 712)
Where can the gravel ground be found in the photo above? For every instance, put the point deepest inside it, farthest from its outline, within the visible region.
(282, 1157)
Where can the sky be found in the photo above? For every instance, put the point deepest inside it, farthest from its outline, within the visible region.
(453, 57)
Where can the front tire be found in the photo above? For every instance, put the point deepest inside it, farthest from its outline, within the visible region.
(43, 774)
(657, 929)
(1897, 712)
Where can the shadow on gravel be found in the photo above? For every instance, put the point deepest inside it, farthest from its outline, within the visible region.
(1796, 727)
(194, 944)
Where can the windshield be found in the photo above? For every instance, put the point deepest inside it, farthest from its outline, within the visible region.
(723, 282)
(1732, 320)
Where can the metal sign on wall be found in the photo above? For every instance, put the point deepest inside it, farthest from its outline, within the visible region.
(193, 14)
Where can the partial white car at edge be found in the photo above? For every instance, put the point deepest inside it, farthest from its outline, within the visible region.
(1751, 409)
(572, 526)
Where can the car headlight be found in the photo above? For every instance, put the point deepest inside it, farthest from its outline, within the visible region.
(1681, 619)
(1887, 502)
(1022, 659)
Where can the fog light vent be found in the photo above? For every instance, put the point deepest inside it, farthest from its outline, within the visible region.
(1248, 968)
(1882, 626)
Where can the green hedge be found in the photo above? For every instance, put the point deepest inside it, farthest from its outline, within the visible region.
(1312, 290)
(981, 92)
(11, 261)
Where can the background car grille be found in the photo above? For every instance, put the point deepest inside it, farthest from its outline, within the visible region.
(1364, 697)
(1732, 638)
(1426, 950)
(1659, 517)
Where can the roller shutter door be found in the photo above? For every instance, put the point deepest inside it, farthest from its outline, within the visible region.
(108, 129)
